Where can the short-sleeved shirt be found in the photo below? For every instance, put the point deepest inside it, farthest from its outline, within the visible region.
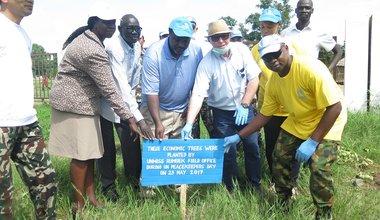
(170, 78)
(309, 40)
(305, 92)
(224, 81)
(264, 77)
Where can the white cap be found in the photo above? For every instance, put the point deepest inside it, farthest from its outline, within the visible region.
(269, 44)
(236, 33)
(102, 10)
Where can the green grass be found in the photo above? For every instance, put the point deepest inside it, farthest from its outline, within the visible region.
(359, 154)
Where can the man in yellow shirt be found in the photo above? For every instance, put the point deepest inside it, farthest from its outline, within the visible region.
(312, 132)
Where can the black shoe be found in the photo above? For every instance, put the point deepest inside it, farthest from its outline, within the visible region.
(110, 193)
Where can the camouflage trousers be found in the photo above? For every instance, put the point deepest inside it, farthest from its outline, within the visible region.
(205, 113)
(321, 181)
(25, 145)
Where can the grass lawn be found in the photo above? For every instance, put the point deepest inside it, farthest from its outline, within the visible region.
(359, 156)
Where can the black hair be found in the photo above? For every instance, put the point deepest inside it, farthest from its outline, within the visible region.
(90, 25)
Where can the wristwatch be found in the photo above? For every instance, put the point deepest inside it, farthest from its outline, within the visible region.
(245, 105)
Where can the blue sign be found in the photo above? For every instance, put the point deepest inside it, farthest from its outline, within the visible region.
(175, 161)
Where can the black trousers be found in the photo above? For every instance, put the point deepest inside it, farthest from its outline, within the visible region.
(131, 153)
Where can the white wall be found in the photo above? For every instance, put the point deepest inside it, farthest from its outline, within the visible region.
(375, 61)
(356, 63)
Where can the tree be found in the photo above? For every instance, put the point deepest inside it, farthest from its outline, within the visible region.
(231, 22)
(43, 64)
(253, 19)
(37, 49)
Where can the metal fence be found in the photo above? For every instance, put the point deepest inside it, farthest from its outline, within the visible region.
(44, 70)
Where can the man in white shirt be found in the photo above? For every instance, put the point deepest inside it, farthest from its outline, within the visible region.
(205, 112)
(21, 136)
(228, 76)
(310, 40)
(124, 52)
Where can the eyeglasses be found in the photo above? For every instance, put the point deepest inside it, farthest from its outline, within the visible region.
(132, 28)
(271, 56)
(216, 38)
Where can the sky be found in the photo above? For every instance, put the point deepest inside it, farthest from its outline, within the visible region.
(53, 21)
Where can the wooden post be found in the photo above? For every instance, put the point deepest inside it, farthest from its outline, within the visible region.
(182, 199)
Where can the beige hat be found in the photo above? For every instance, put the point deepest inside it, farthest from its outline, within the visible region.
(218, 27)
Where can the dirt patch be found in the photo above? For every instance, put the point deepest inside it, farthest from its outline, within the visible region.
(377, 179)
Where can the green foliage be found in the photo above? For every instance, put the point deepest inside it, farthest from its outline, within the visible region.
(250, 29)
(231, 22)
(253, 19)
(212, 201)
(325, 56)
(361, 134)
(43, 112)
(38, 49)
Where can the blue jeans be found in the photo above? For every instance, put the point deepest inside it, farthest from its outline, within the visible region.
(224, 125)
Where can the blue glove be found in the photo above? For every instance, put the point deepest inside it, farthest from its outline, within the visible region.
(186, 131)
(230, 141)
(306, 150)
(241, 115)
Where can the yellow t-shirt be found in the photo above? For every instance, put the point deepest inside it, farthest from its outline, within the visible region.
(264, 77)
(305, 93)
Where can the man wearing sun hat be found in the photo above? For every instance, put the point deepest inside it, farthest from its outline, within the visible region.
(228, 76)
(312, 132)
(169, 68)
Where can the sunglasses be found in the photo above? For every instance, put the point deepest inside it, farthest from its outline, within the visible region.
(271, 56)
(216, 38)
(133, 28)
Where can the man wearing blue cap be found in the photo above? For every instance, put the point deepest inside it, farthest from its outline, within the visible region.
(312, 132)
(168, 75)
(236, 36)
(270, 23)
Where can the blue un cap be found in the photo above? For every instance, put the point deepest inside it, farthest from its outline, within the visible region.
(270, 14)
(181, 27)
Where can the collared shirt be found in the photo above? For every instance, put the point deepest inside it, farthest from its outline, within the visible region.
(126, 67)
(224, 81)
(16, 83)
(170, 78)
(309, 40)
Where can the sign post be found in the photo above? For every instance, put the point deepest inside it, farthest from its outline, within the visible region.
(175, 161)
